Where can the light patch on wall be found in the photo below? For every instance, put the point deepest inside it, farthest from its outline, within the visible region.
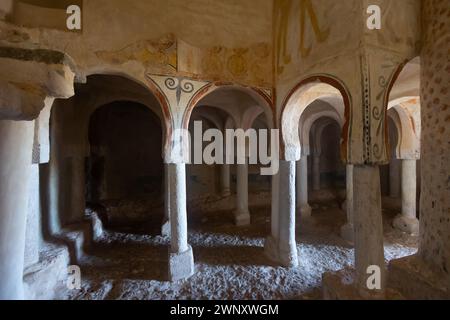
(161, 53)
(305, 18)
(246, 65)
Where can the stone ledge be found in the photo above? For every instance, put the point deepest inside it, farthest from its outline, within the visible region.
(415, 280)
(42, 279)
(340, 285)
(78, 238)
(181, 265)
(37, 55)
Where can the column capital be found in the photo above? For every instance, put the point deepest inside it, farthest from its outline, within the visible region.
(178, 96)
(28, 77)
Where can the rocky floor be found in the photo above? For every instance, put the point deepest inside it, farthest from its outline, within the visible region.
(131, 263)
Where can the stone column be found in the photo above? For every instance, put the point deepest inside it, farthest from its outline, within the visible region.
(435, 155)
(271, 244)
(33, 234)
(225, 180)
(16, 144)
(394, 178)
(242, 214)
(302, 187)
(287, 246)
(407, 221)
(181, 260)
(368, 236)
(165, 228)
(347, 229)
(316, 172)
(426, 275)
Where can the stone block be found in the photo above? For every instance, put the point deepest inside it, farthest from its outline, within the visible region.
(181, 265)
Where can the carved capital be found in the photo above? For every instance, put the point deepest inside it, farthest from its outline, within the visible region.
(29, 77)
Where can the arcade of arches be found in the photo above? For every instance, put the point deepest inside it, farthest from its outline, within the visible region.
(94, 175)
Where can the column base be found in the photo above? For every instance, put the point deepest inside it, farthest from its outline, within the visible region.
(287, 257)
(165, 228)
(416, 280)
(241, 218)
(305, 211)
(406, 224)
(348, 233)
(284, 257)
(271, 249)
(340, 285)
(181, 265)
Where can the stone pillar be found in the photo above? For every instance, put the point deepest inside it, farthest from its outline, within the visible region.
(347, 229)
(368, 236)
(33, 234)
(434, 245)
(394, 178)
(316, 172)
(181, 259)
(15, 149)
(302, 187)
(242, 214)
(287, 246)
(407, 221)
(271, 244)
(426, 275)
(225, 180)
(165, 228)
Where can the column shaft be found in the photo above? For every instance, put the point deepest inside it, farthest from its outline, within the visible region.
(15, 167)
(271, 244)
(225, 180)
(287, 245)
(316, 172)
(394, 178)
(178, 213)
(349, 193)
(407, 220)
(181, 258)
(368, 226)
(242, 214)
(165, 229)
(302, 187)
(409, 185)
(347, 230)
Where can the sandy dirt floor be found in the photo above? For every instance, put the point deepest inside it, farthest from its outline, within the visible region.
(131, 263)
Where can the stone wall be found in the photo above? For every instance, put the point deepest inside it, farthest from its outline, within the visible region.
(435, 200)
(215, 40)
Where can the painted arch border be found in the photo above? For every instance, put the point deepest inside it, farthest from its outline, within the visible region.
(338, 84)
